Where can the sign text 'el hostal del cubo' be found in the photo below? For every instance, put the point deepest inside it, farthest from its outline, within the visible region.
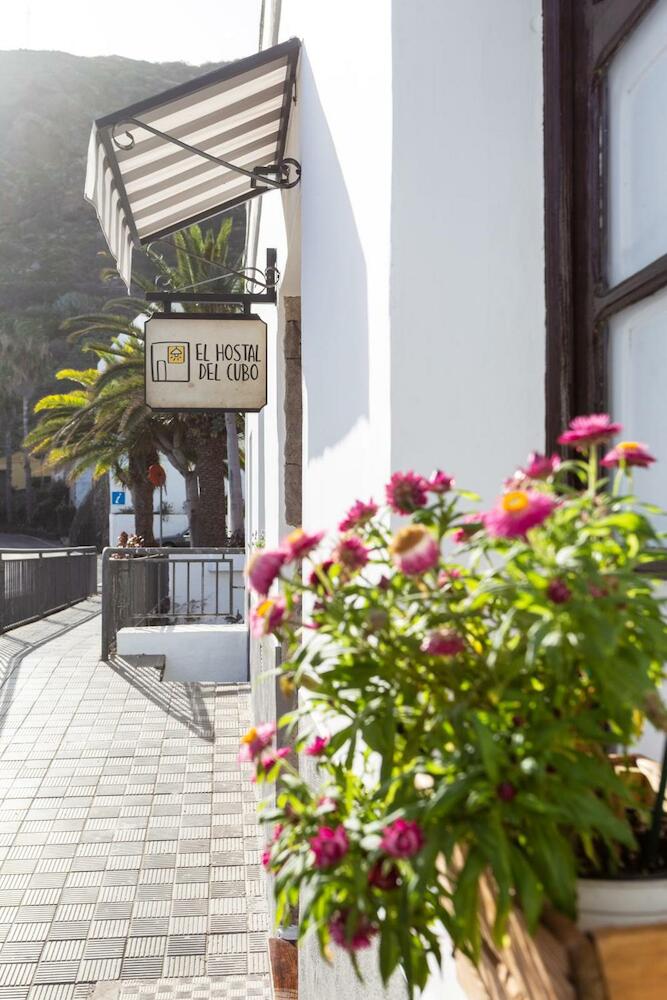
(205, 362)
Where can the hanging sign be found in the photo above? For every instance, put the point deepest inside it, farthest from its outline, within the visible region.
(205, 362)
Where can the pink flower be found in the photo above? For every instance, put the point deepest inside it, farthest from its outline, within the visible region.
(329, 846)
(267, 616)
(268, 761)
(318, 746)
(384, 875)
(518, 511)
(414, 550)
(326, 803)
(266, 859)
(440, 482)
(540, 466)
(470, 524)
(263, 568)
(351, 553)
(506, 791)
(358, 514)
(361, 936)
(402, 839)
(299, 543)
(406, 492)
(255, 740)
(586, 431)
(447, 576)
(558, 592)
(322, 570)
(628, 453)
(443, 642)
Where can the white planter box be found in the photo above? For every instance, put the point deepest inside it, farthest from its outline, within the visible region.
(621, 902)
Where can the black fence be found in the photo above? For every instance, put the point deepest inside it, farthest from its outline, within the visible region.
(168, 586)
(36, 582)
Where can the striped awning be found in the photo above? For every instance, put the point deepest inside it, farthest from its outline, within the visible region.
(192, 151)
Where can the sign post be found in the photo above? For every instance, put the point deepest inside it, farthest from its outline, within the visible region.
(206, 361)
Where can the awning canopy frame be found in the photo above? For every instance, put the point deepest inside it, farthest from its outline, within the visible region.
(235, 118)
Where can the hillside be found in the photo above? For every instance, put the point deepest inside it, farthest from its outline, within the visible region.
(50, 240)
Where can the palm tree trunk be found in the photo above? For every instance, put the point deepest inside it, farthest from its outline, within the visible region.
(9, 495)
(211, 473)
(192, 505)
(29, 495)
(236, 524)
(141, 489)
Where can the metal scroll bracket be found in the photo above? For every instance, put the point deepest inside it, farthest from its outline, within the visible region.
(283, 175)
(245, 299)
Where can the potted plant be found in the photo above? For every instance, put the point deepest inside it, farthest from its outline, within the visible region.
(464, 679)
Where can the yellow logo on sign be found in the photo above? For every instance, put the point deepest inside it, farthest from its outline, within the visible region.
(176, 354)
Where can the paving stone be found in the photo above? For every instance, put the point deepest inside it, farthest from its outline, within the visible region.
(129, 847)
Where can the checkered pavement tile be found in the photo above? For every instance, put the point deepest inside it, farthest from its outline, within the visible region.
(129, 852)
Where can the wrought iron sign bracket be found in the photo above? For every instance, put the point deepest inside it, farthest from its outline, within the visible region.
(245, 299)
(283, 175)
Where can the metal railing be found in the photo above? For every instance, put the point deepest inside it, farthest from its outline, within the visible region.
(168, 586)
(37, 582)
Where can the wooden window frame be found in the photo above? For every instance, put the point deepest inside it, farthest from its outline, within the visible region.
(580, 39)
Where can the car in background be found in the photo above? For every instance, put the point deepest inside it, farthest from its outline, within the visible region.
(178, 541)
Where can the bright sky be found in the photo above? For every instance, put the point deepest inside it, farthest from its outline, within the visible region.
(192, 31)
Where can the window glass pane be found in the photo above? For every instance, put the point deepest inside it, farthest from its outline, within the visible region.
(638, 148)
(638, 388)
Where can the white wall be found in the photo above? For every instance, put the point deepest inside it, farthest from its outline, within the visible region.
(467, 238)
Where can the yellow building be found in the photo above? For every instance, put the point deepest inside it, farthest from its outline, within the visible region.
(37, 466)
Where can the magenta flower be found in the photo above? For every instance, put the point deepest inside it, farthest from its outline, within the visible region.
(318, 746)
(351, 553)
(257, 738)
(402, 839)
(315, 578)
(506, 791)
(362, 933)
(540, 466)
(406, 492)
(299, 543)
(470, 524)
(329, 846)
(266, 859)
(414, 550)
(443, 642)
(558, 592)
(440, 482)
(268, 761)
(384, 875)
(518, 511)
(628, 453)
(447, 576)
(267, 616)
(263, 568)
(358, 514)
(586, 431)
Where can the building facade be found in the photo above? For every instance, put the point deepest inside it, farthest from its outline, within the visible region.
(474, 255)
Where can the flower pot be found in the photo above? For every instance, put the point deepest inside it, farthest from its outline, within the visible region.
(621, 902)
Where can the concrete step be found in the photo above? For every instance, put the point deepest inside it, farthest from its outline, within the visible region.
(193, 652)
(200, 988)
(154, 660)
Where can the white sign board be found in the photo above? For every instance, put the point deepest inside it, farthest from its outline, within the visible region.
(205, 362)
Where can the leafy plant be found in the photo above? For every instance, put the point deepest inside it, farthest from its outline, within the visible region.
(462, 682)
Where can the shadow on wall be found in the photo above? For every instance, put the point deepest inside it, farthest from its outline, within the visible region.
(334, 289)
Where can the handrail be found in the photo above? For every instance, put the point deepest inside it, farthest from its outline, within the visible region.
(50, 551)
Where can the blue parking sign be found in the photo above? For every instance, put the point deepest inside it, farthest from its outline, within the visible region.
(118, 498)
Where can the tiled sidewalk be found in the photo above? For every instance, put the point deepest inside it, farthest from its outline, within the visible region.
(129, 848)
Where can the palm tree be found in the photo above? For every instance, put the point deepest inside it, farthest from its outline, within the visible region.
(25, 349)
(198, 259)
(79, 430)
